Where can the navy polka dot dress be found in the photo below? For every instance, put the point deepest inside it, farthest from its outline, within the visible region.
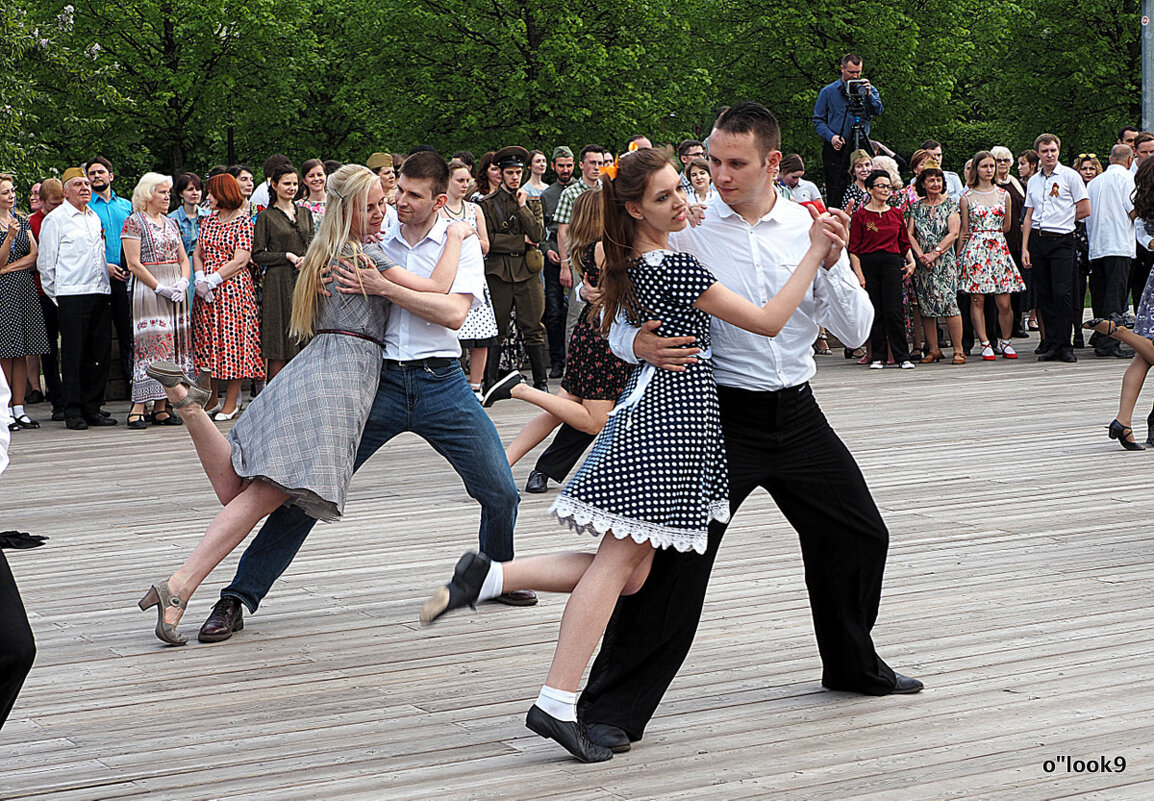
(657, 471)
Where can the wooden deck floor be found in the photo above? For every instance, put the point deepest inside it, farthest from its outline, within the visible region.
(1018, 588)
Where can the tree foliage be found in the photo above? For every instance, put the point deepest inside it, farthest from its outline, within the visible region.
(176, 84)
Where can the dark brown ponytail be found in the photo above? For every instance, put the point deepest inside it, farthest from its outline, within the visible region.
(620, 231)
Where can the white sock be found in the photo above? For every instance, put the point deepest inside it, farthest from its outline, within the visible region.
(494, 581)
(558, 703)
(18, 411)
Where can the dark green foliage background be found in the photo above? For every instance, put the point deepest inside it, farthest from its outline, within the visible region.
(167, 84)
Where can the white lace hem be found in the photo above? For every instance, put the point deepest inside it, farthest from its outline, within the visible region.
(587, 519)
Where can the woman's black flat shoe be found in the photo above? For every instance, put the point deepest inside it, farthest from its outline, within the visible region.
(1124, 435)
(571, 736)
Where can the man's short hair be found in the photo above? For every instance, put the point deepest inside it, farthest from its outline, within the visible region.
(687, 145)
(1120, 154)
(331, 166)
(98, 160)
(219, 169)
(1030, 156)
(51, 189)
(1142, 138)
(791, 163)
(1125, 129)
(634, 138)
(422, 149)
(1047, 139)
(427, 165)
(585, 151)
(930, 144)
(467, 157)
(850, 58)
(749, 116)
(274, 161)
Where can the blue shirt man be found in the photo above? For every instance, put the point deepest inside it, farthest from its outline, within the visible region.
(833, 122)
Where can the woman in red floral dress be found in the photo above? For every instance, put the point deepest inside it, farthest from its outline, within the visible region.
(226, 319)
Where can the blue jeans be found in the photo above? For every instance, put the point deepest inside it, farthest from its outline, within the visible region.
(437, 405)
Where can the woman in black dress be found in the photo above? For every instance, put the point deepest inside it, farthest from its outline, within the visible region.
(594, 377)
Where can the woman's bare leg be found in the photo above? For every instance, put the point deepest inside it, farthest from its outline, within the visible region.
(1142, 346)
(212, 448)
(231, 395)
(478, 358)
(978, 317)
(1005, 315)
(587, 416)
(530, 436)
(590, 606)
(954, 324)
(226, 531)
(1132, 381)
(930, 329)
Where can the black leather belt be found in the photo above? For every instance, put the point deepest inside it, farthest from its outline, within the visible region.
(431, 364)
(1054, 234)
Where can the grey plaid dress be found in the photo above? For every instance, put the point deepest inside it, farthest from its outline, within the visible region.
(302, 432)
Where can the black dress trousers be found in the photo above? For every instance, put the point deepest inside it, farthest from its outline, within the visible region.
(779, 441)
(17, 647)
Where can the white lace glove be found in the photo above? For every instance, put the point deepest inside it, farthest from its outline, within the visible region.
(203, 288)
(214, 280)
(171, 293)
(182, 285)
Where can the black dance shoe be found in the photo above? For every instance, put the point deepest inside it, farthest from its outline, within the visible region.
(463, 590)
(1124, 435)
(538, 482)
(502, 389)
(609, 736)
(571, 736)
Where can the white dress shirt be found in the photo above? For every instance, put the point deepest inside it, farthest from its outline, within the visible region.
(755, 262)
(1054, 199)
(805, 191)
(409, 336)
(71, 259)
(954, 186)
(1109, 226)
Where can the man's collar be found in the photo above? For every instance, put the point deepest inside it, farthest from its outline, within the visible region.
(73, 210)
(436, 233)
(724, 210)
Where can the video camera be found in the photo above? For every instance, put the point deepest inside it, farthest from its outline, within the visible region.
(857, 90)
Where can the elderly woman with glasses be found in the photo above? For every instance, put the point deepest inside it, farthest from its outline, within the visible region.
(881, 255)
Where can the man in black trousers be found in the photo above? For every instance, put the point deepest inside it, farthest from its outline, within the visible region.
(776, 438)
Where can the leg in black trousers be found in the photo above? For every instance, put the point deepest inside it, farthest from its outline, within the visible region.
(883, 274)
(17, 647)
(50, 362)
(835, 166)
(782, 442)
(556, 312)
(563, 452)
(1053, 264)
(85, 350)
(1139, 273)
(121, 300)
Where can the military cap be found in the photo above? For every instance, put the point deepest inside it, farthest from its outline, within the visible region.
(512, 156)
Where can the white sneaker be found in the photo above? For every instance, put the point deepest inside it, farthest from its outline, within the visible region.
(877, 365)
(1007, 349)
(907, 365)
(988, 352)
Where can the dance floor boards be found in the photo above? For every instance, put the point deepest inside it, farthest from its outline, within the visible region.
(1018, 588)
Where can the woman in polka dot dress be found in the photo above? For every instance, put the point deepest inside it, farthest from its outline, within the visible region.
(656, 476)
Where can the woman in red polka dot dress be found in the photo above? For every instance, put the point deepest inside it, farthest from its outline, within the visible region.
(226, 319)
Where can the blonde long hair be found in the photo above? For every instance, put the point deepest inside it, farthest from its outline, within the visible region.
(347, 194)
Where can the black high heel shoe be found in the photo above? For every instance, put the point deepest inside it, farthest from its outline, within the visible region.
(1124, 435)
(571, 736)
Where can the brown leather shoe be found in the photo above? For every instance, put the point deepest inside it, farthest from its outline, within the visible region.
(518, 598)
(226, 617)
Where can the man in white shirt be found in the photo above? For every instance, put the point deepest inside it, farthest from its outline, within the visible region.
(1055, 199)
(74, 274)
(776, 438)
(1144, 256)
(1110, 228)
(422, 390)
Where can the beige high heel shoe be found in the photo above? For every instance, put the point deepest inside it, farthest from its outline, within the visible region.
(170, 375)
(158, 595)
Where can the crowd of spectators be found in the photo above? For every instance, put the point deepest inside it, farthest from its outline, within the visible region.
(201, 270)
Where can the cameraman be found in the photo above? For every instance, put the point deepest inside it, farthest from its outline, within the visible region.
(833, 119)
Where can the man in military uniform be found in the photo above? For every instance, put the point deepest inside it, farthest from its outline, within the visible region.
(512, 225)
